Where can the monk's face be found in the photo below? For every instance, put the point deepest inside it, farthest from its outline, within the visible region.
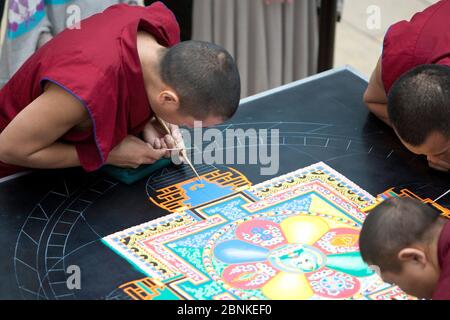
(437, 150)
(417, 276)
(415, 283)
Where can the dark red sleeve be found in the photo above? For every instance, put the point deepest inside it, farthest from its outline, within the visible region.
(160, 21)
(398, 52)
(445, 61)
(443, 290)
(97, 93)
(422, 40)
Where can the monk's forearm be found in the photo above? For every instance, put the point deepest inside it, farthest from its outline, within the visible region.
(379, 110)
(55, 156)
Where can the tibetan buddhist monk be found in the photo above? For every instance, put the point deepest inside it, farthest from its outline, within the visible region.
(90, 96)
(410, 87)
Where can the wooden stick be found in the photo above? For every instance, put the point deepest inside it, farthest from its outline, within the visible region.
(178, 149)
(182, 149)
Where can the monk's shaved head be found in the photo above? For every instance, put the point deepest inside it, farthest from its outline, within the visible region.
(419, 104)
(205, 77)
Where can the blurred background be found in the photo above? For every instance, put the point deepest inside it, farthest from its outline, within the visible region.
(274, 41)
(359, 46)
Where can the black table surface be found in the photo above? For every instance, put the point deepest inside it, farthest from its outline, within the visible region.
(53, 219)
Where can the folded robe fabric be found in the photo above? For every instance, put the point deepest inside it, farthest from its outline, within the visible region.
(100, 66)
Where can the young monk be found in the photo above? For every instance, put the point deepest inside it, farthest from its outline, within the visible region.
(410, 87)
(89, 97)
(410, 244)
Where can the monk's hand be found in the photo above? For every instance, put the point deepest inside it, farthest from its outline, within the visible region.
(133, 152)
(158, 138)
(439, 163)
(155, 135)
(175, 141)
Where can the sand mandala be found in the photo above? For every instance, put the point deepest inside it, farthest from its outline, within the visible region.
(293, 237)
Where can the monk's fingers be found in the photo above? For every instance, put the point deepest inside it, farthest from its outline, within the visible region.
(179, 140)
(170, 142)
(173, 128)
(176, 134)
(165, 147)
(182, 156)
(163, 143)
(157, 144)
(152, 155)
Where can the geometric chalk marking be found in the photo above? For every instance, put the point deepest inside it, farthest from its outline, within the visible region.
(293, 237)
(40, 250)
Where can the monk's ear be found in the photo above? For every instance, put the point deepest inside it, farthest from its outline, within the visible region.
(413, 256)
(169, 98)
